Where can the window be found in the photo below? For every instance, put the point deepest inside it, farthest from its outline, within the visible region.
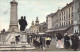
(69, 12)
(69, 22)
(64, 15)
(64, 23)
(60, 24)
(72, 14)
(72, 11)
(72, 8)
(60, 16)
(34, 30)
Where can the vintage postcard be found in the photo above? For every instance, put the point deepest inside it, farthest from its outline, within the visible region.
(39, 25)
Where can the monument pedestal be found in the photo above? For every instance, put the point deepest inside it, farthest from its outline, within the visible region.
(11, 44)
(23, 37)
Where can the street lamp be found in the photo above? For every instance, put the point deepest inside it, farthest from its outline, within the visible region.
(37, 34)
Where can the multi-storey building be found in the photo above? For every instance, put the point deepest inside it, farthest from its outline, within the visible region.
(62, 20)
(38, 27)
(76, 16)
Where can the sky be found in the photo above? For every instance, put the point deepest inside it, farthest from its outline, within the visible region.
(31, 9)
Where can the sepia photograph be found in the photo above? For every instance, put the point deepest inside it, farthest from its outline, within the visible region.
(39, 25)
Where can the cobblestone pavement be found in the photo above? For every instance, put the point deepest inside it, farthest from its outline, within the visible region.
(53, 47)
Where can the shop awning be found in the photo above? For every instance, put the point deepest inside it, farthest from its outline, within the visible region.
(59, 29)
(41, 33)
(49, 30)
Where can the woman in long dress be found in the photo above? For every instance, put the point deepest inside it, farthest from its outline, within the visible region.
(59, 42)
(79, 41)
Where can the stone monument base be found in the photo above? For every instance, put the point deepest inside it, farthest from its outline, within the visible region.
(11, 43)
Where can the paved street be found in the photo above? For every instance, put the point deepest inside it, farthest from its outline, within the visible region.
(53, 47)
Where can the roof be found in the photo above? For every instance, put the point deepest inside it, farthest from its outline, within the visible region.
(53, 14)
(67, 5)
(50, 15)
(44, 23)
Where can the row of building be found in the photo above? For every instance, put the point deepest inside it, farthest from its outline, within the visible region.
(61, 21)
(65, 20)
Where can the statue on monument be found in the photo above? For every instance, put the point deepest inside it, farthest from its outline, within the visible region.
(22, 23)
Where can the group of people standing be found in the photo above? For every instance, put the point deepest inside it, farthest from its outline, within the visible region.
(74, 43)
(42, 42)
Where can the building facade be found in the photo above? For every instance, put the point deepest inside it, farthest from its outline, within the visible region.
(49, 20)
(76, 16)
(38, 27)
(35, 26)
(61, 20)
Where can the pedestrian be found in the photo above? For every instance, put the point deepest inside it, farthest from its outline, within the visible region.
(31, 38)
(37, 43)
(40, 41)
(34, 42)
(17, 39)
(28, 40)
(59, 42)
(66, 41)
(75, 42)
(79, 41)
(48, 41)
(43, 43)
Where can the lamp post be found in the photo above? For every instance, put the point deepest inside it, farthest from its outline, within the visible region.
(37, 34)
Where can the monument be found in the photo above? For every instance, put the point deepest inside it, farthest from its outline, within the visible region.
(15, 39)
(13, 17)
(76, 16)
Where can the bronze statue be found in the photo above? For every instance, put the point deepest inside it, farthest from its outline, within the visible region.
(22, 23)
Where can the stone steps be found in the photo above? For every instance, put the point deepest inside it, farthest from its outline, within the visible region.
(16, 45)
(16, 48)
(9, 47)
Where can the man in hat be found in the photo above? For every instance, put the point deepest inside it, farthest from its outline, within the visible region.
(75, 42)
(66, 41)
